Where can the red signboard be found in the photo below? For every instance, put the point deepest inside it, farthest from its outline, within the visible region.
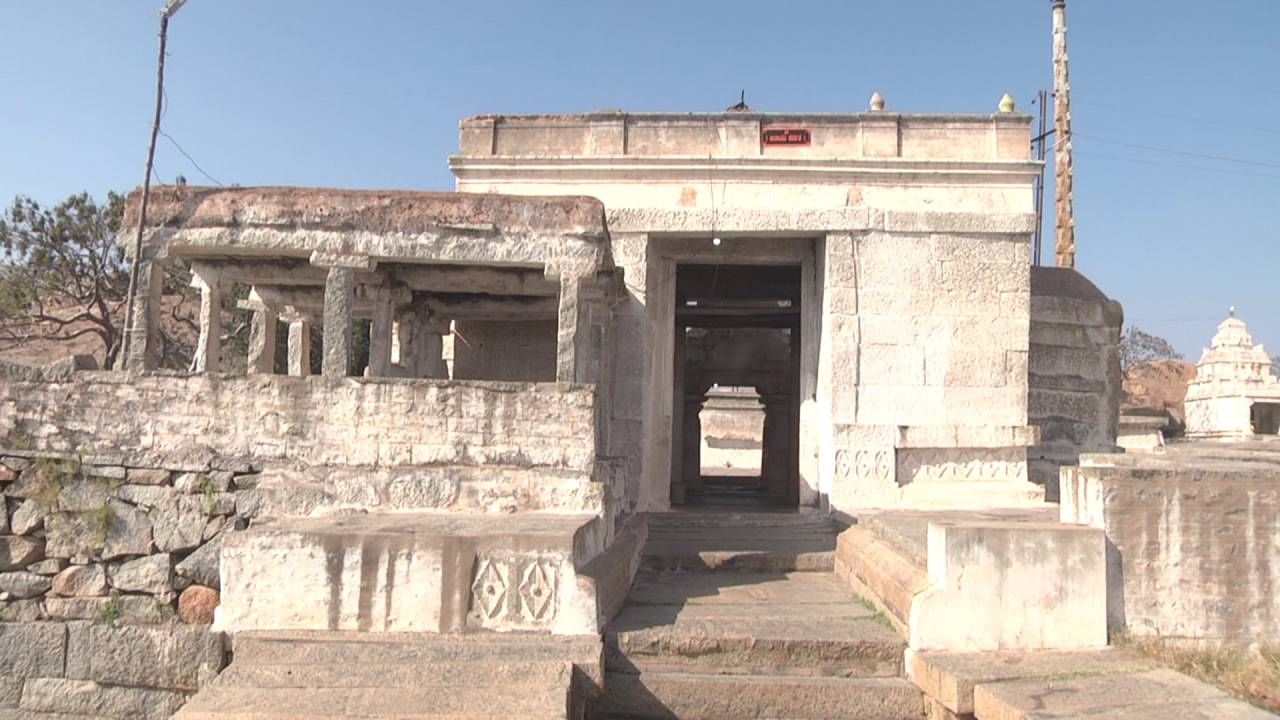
(784, 136)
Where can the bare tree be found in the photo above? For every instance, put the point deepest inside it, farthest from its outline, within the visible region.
(62, 276)
(1138, 347)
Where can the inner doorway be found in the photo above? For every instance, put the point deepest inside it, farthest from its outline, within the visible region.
(735, 419)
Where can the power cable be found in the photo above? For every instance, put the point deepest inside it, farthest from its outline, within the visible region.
(1172, 151)
(1176, 116)
(1184, 166)
(185, 154)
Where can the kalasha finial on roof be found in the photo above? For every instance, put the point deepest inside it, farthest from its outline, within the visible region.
(1231, 311)
(877, 101)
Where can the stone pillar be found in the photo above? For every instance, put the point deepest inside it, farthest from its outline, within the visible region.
(692, 456)
(262, 341)
(339, 295)
(571, 320)
(380, 333)
(300, 347)
(208, 355)
(775, 454)
(144, 330)
(676, 420)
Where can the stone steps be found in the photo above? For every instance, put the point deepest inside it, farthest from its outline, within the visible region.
(281, 676)
(692, 696)
(740, 542)
(737, 615)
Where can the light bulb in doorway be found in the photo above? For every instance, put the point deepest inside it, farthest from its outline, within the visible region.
(715, 241)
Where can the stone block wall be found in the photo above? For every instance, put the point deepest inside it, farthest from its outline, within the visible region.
(1073, 372)
(220, 422)
(1193, 548)
(925, 363)
(95, 670)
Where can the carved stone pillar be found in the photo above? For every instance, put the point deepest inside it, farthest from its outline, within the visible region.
(380, 333)
(144, 330)
(339, 289)
(299, 346)
(208, 355)
(262, 341)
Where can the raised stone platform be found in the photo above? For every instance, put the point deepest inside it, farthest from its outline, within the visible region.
(296, 675)
(412, 572)
(980, 581)
(1108, 683)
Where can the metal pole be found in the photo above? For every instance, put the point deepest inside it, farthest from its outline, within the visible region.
(1042, 99)
(123, 357)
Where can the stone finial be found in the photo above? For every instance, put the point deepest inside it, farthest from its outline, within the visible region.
(877, 101)
(1006, 103)
(1231, 311)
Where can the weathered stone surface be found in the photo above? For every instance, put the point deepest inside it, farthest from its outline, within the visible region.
(83, 495)
(51, 566)
(129, 532)
(178, 524)
(18, 552)
(105, 472)
(10, 691)
(81, 581)
(196, 605)
(22, 585)
(32, 649)
(152, 574)
(83, 697)
(170, 656)
(149, 476)
(22, 611)
(70, 534)
(123, 609)
(145, 496)
(202, 565)
(200, 483)
(28, 517)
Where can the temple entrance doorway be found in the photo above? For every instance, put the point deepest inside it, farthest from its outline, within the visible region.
(735, 419)
(1265, 418)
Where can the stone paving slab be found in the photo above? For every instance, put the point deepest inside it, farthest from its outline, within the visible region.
(689, 696)
(950, 678)
(1149, 695)
(737, 588)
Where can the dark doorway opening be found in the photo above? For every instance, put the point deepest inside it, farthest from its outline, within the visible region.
(735, 418)
(1265, 418)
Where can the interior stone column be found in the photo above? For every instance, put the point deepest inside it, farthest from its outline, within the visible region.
(208, 355)
(692, 455)
(262, 341)
(144, 330)
(339, 296)
(571, 321)
(299, 347)
(380, 333)
(776, 444)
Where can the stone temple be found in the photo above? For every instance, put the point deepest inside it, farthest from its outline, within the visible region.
(1234, 395)
(663, 415)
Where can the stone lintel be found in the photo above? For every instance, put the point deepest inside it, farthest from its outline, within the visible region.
(334, 260)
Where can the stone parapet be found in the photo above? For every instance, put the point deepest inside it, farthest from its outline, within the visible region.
(201, 422)
(1192, 551)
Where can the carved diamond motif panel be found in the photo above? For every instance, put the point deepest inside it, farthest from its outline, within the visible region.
(514, 591)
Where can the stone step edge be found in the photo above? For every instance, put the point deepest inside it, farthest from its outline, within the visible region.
(880, 574)
(741, 561)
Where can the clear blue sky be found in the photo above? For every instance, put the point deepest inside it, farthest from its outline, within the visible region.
(368, 94)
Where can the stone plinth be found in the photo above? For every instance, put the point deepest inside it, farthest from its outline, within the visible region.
(412, 572)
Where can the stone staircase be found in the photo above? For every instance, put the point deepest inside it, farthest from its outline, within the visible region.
(739, 615)
(405, 676)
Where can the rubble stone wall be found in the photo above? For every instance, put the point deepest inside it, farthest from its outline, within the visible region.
(1073, 372)
(1193, 552)
(96, 670)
